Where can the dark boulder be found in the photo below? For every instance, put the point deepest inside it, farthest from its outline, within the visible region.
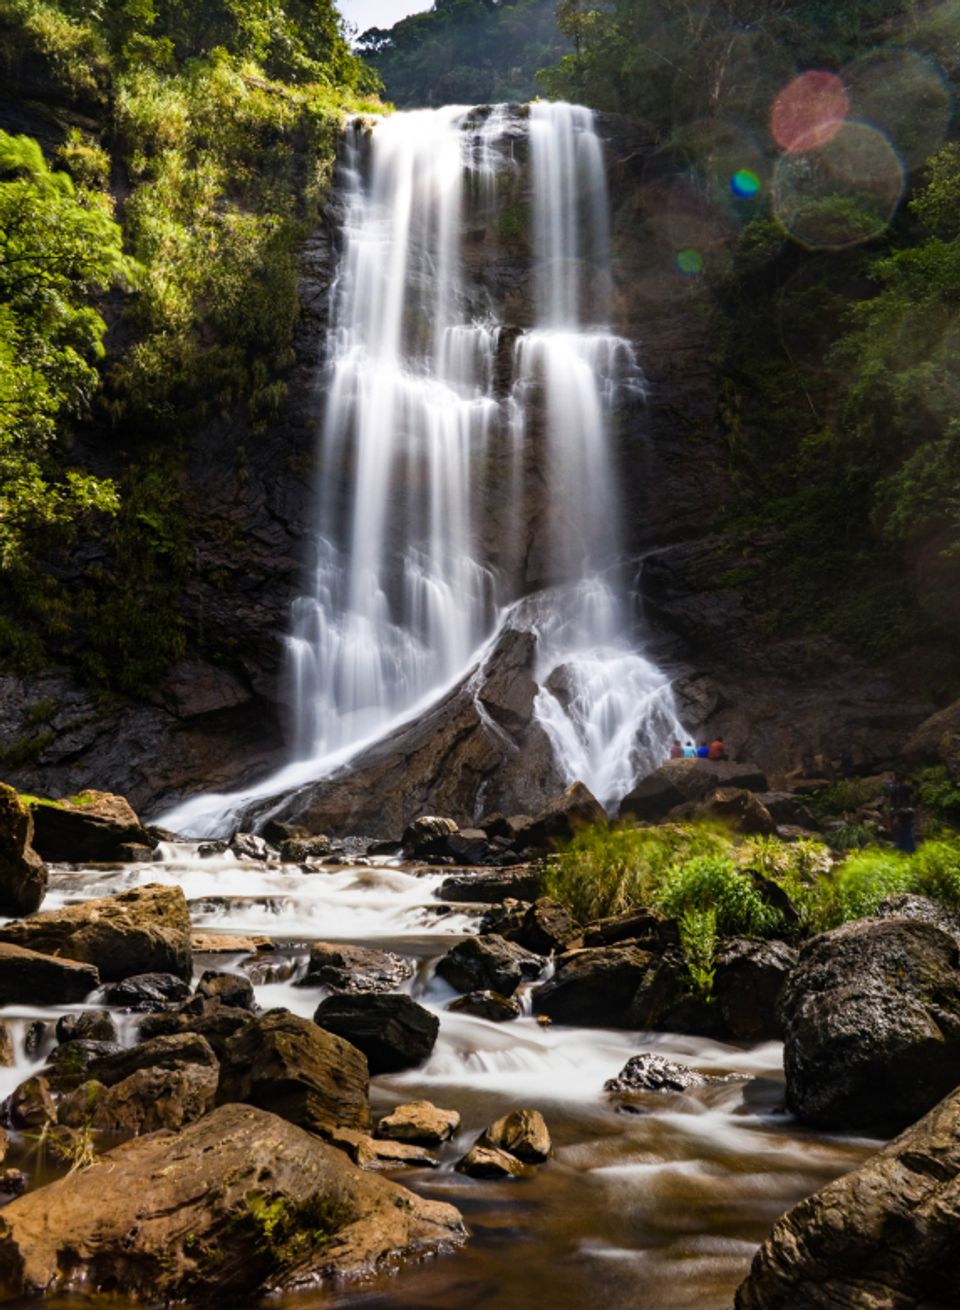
(147, 991)
(563, 817)
(886, 1236)
(156, 1053)
(747, 982)
(520, 884)
(871, 1018)
(547, 927)
(355, 969)
(71, 1063)
(32, 978)
(488, 963)
(296, 850)
(31, 1104)
(937, 740)
(506, 920)
(89, 828)
(90, 1025)
(487, 1005)
(594, 987)
(210, 1019)
(787, 809)
(391, 1030)
(679, 781)
(233, 989)
(644, 928)
(908, 906)
(740, 810)
(648, 1072)
(234, 1205)
(667, 1001)
(289, 1066)
(140, 931)
(23, 874)
(470, 846)
(427, 837)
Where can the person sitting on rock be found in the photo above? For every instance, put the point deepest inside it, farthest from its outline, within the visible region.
(676, 751)
(689, 751)
(704, 752)
(717, 750)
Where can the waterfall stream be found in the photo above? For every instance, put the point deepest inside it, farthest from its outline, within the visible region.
(439, 480)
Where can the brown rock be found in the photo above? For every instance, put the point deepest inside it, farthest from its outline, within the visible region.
(156, 1053)
(679, 781)
(419, 1121)
(488, 962)
(217, 943)
(564, 816)
(488, 1162)
(140, 931)
(523, 1133)
(740, 810)
(149, 1099)
(239, 1203)
(886, 1235)
(937, 740)
(23, 874)
(355, 969)
(370, 1153)
(90, 827)
(31, 1105)
(297, 1070)
(487, 1005)
(594, 987)
(31, 978)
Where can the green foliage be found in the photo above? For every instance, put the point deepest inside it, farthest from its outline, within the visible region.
(465, 52)
(935, 868)
(608, 870)
(698, 941)
(713, 882)
(859, 885)
(59, 247)
(937, 793)
(844, 796)
(287, 1231)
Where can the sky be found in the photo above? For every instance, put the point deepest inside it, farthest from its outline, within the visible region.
(379, 13)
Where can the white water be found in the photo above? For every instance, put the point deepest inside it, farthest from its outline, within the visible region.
(403, 595)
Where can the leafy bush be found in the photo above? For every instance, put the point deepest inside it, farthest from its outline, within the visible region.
(698, 940)
(844, 796)
(713, 882)
(938, 793)
(935, 869)
(608, 870)
(859, 885)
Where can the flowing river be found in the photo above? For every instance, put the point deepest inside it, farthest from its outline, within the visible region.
(654, 1210)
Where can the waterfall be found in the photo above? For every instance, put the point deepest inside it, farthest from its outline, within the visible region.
(419, 451)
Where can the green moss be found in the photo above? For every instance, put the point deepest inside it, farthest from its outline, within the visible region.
(288, 1232)
(27, 749)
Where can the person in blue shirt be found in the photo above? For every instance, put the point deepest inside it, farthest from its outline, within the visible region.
(704, 751)
(689, 751)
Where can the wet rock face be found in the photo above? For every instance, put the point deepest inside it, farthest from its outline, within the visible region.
(594, 987)
(749, 978)
(148, 1100)
(420, 1122)
(233, 1205)
(871, 1018)
(140, 931)
(487, 1005)
(679, 781)
(23, 874)
(887, 1234)
(654, 1073)
(32, 978)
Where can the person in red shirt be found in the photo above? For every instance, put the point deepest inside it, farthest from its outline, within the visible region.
(718, 750)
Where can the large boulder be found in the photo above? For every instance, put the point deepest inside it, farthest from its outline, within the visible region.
(211, 1019)
(31, 978)
(392, 1030)
(523, 1133)
(427, 836)
(667, 1001)
(594, 987)
(239, 1203)
(740, 810)
(885, 1237)
(564, 816)
(355, 969)
(487, 1005)
(547, 927)
(156, 1053)
(147, 991)
(679, 781)
(871, 1017)
(488, 963)
(747, 982)
(23, 874)
(288, 1065)
(651, 1072)
(146, 930)
(91, 827)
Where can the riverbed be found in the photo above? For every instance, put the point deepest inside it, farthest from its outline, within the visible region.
(656, 1209)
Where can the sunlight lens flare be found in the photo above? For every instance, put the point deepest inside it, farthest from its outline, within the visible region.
(906, 96)
(745, 184)
(841, 194)
(809, 111)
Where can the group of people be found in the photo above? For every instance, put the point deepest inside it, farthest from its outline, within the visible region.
(715, 750)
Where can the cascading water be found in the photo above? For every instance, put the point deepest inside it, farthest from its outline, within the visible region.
(423, 443)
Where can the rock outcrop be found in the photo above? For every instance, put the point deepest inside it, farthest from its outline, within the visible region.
(488, 963)
(678, 781)
(871, 1018)
(886, 1235)
(239, 1203)
(146, 930)
(391, 1030)
(90, 827)
(355, 969)
(23, 874)
(32, 978)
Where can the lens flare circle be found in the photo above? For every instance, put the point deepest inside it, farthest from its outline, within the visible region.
(809, 111)
(843, 192)
(906, 96)
(745, 184)
(690, 262)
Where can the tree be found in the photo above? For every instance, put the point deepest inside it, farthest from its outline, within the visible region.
(59, 248)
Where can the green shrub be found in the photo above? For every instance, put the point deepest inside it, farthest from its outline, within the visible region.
(843, 796)
(859, 885)
(935, 868)
(609, 870)
(698, 940)
(713, 882)
(938, 793)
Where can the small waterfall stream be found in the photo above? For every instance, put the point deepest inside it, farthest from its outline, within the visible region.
(439, 479)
